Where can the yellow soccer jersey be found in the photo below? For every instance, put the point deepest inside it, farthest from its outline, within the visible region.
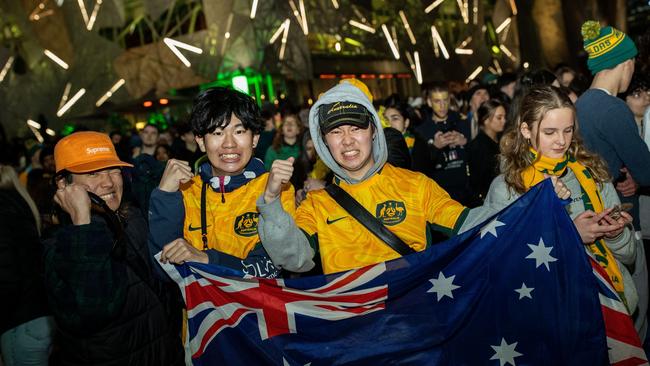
(408, 203)
(231, 226)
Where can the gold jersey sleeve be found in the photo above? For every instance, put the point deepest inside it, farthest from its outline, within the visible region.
(231, 223)
(407, 203)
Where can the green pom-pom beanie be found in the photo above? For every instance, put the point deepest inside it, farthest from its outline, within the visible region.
(606, 46)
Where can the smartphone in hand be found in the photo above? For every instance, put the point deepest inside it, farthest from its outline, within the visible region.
(616, 211)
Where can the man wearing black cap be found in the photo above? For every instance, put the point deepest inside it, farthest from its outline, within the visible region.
(349, 139)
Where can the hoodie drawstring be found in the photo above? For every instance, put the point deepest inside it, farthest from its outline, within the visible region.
(222, 179)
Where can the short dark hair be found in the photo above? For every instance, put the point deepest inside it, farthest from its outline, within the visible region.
(213, 107)
(151, 125)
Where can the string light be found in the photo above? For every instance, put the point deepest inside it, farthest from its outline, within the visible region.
(254, 9)
(392, 45)
(56, 59)
(464, 51)
(34, 124)
(437, 40)
(93, 16)
(503, 25)
(335, 3)
(50, 132)
(279, 31)
(285, 35)
(362, 26)
(71, 102)
(474, 74)
(432, 6)
(6, 67)
(407, 27)
(418, 69)
(109, 93)
(513, 6)
(174, 45)
(508, 53)
(303, 15)
(226, 35)
(64, 97)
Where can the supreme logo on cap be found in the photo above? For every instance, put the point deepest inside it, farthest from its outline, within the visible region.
(96, 150)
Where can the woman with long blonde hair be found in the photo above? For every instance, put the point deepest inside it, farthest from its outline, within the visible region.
(26, 325)
(545, 142)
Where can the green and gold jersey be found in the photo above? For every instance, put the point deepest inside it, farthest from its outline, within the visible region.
(408, 203)
(231, 224)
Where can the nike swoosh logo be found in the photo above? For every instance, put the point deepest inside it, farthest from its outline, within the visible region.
(190, 228)
(330, 222)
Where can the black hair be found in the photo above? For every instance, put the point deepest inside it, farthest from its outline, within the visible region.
(506, 78)
(639, 82)
(47, 150)
(213, 107)
(405, 110)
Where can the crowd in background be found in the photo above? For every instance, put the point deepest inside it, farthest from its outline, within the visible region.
(452, 136)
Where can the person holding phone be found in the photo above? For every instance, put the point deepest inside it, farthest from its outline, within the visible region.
(109, 308)
(544, 143)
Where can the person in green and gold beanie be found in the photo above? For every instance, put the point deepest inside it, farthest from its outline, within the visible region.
(608, 128)
(607, 46)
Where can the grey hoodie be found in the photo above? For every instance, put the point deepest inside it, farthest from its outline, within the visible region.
(283, 240)
(345, 92)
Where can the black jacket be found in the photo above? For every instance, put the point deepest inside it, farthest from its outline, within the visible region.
(109, 308)
(21, 271)
(483, 163)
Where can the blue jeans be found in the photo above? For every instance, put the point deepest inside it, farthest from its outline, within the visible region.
(28, 343)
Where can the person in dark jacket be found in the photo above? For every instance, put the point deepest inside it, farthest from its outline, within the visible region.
(26, 324)
(483, 151)
(109, 308)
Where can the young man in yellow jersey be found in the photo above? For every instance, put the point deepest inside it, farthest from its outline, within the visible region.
(349, 139)
(212, 217)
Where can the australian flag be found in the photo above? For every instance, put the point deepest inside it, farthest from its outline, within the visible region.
(519, 289)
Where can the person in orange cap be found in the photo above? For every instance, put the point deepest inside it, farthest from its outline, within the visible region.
(108, 307)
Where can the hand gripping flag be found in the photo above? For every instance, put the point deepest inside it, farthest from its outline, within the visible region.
(516, 290)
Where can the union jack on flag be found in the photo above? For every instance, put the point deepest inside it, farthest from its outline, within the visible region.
(517, 290)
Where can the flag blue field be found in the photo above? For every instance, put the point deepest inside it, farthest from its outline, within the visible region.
(518, 290)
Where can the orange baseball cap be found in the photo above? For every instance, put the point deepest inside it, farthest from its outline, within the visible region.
(86, 151)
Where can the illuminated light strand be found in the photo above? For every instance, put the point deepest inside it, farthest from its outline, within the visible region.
(391, 44)
(36, 133)
(34, 124)
(279, 31)
(298, 16)
(503, 25)
(492, 70)
(418, 69)
(508, 53)
(462, 6)
(498, 66)
(6, 67)
(93, 16)
(432, 6)
(50, 132)
(226, 35)
(475, 12)
(285, 35)
(84, 13)
(410, 60)
(254, 9)
(335, 3)
(474, 74)
(513, 7)
(407, 27)
(465, 42)
(394, 34)
(174, 45)
(437, 40)
(464, 51)
(303, 15)
(362, 26)
(110, 92)
(66, 93)
(56, 59)
(71, 102)
(38, 13)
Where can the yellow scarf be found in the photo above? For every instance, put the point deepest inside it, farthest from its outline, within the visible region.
(590, 198)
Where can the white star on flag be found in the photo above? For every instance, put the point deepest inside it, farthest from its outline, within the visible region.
(524, 291)
(505, 353)
(541, 254)
(443, 286)
(286, 363)
(491, 227)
